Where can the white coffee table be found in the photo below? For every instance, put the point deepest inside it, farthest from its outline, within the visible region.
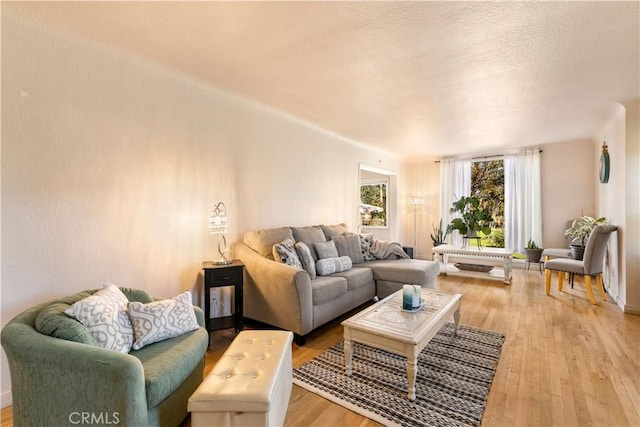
(385, 325)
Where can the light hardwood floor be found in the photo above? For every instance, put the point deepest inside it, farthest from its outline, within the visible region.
(564, 362)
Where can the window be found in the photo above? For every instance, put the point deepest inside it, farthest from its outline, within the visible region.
(487, 184)
(373, 202)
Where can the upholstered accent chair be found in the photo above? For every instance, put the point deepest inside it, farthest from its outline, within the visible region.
(60, 377)
(590, 266)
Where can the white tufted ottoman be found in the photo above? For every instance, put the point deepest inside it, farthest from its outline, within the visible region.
(249, 386)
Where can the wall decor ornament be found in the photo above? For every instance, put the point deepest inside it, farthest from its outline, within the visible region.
(604, 163)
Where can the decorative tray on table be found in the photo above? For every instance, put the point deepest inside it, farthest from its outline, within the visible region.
(473, 267)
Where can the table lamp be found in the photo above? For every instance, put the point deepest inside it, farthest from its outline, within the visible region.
(218, 225)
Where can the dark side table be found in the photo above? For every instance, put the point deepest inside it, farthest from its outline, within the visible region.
(408, 250)
(217, 276)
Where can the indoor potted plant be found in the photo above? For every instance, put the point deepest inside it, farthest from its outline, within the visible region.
(473, 217)
(439, 234)
(532, 252)
(579, 233)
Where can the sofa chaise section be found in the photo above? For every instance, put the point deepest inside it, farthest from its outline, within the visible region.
(390, 275)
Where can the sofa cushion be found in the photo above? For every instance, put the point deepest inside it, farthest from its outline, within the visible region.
(327, 266)
(304, 253)
(349, 246)
(310, 235)
(262, 241)
(411, 271)
(161, 320)
(167, 364)
(326, 249)
(334, 230)
(105, 317)
(285, 252)
(357, 277)
(327, 288)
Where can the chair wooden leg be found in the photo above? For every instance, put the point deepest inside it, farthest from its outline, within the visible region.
(547, 281)
(587, 284)
(560, 280)
(600, 286)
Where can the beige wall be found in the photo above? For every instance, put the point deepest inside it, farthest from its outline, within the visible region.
(567, 181)
(610, 197)
(631, 295)
(619, 201)
(422, 180)
(111, 164)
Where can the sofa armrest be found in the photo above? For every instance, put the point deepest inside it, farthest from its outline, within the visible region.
(67, 372)
(275, 293)
(199, 315)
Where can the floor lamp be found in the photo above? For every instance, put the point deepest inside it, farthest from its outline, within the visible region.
(416, 202)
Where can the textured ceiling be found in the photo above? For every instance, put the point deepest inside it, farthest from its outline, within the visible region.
(416, 78)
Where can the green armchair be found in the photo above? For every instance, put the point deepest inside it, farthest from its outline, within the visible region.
(66, 381)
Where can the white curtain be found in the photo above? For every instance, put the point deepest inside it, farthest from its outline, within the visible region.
(522, 200)
(455, 182)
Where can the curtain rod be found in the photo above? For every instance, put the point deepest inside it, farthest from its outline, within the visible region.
(495, 156)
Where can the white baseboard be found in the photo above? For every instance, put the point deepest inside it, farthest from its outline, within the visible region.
(630, 309)
(5, 399)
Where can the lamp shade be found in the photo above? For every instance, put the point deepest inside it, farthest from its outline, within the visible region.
(218, 219)
(416, 201)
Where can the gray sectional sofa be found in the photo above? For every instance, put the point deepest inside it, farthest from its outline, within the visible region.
(287, 297)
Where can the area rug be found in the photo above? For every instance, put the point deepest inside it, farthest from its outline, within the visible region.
(452, 384)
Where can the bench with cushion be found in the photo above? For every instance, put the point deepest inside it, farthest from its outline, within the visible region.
(249, 386)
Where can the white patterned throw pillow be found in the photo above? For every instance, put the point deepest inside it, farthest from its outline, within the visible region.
(161, 320)
(332, 265)
(104, 314)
